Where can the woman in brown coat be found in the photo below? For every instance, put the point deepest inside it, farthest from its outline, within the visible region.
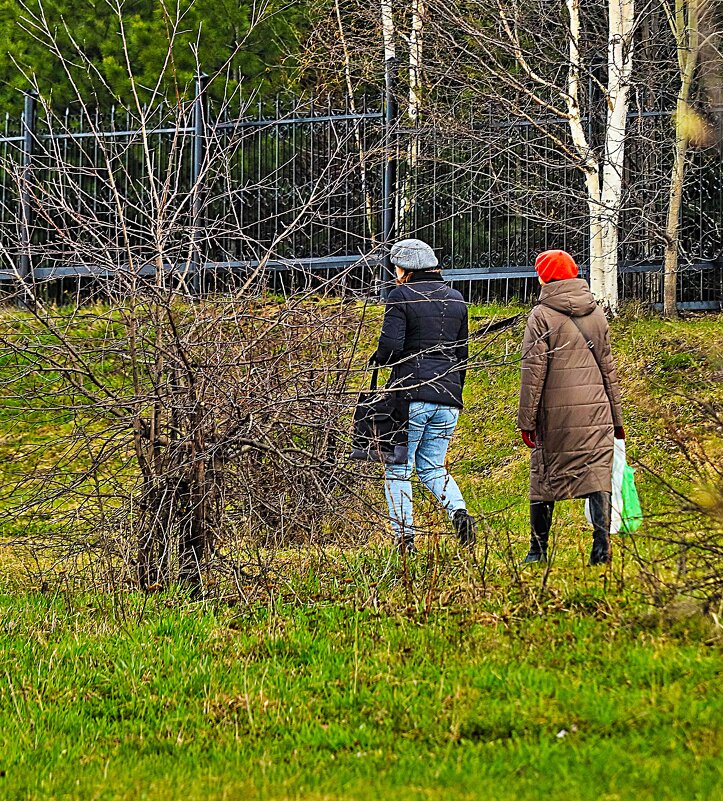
(569, 404)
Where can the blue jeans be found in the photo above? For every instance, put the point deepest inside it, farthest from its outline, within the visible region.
(430, 429)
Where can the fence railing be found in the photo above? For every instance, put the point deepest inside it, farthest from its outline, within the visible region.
(297, 192)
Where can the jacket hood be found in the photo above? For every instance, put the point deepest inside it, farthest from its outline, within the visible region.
(571, 297)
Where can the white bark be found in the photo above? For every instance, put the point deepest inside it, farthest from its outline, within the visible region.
(620, 64)
(604, 196)
(590, 164)
(419, 10)
(416, 43)
(388, 30)
(368, 206)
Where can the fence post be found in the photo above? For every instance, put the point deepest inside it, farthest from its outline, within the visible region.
(389, 200)
(28, 130)
(199, 151)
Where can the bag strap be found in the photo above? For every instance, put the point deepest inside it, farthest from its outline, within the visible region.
(375, 378)
(591, 346)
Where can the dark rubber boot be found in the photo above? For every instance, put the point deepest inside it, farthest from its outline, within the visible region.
(465, 527)
(601, 553)
(540, 523)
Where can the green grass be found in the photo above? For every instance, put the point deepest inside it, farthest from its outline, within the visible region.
(350, 676)
(336, 702)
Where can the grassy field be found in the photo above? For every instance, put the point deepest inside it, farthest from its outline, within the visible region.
(352, 676)
(332, 701)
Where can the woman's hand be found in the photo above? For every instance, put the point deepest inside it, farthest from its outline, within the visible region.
(529, 438)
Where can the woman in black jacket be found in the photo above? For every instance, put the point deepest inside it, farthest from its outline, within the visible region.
(424, 339)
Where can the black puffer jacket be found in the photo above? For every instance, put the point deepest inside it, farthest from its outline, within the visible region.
(424, 338)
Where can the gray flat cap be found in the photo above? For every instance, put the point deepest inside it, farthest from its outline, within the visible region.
(413, 254)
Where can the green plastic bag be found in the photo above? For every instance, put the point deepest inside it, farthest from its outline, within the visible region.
(632, 513)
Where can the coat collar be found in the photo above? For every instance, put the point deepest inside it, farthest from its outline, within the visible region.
(425, 275)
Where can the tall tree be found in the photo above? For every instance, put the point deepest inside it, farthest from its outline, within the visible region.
(532, 64)
(213, 28)
(685, 20)
(417, 14)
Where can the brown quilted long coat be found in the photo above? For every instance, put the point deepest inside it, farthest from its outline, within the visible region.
(570, 402)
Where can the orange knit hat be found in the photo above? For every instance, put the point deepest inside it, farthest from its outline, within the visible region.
(555, 265)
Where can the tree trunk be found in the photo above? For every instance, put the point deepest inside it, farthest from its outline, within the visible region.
(388, 30)
(620, 63)
(685, 28)
(670, 278)
(368, 204)
(390, 194)
(610, 242)
(603, 201)
(597, 250)
(590, 163)
(416, 33)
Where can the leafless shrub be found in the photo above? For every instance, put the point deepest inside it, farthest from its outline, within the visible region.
(183, 422)
(185, 429)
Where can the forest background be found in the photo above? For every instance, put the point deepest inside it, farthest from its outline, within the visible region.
(266, 63)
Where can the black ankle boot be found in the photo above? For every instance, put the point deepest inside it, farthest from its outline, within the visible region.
(537, 552)
(600, 553)
(465, 528)
(406, 549)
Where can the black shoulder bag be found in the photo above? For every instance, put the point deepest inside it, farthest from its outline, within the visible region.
(381, 422)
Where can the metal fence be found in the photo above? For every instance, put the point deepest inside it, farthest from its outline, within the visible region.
(297, 191)
(491, 195)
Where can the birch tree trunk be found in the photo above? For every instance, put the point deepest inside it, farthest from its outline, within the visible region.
(620, 63)
(416, 44)
(685, 29)
(391, 199)
(390, 50)
(590, 163)
(416, 38)
(603, 197)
